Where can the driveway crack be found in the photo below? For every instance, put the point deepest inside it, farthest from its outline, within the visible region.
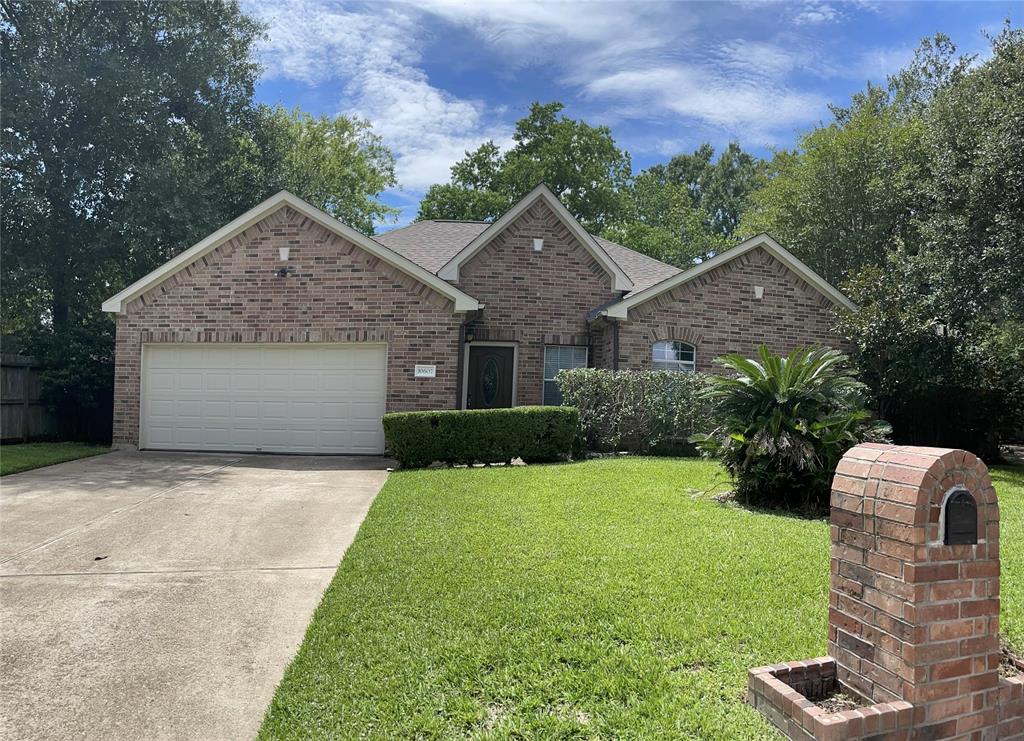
(115, 512)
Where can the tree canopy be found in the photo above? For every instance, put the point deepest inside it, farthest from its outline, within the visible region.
(931, 249)
(689, 208)
(580, 163)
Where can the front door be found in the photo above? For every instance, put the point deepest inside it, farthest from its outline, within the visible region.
(490, 377)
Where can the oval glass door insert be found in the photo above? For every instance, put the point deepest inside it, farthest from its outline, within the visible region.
(489, 378)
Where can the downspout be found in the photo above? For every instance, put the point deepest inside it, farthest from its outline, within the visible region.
(615, 345)
(460, 361)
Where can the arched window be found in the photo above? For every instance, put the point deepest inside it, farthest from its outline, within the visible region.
(671, 355)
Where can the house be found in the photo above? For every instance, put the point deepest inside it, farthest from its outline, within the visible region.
(287, 331)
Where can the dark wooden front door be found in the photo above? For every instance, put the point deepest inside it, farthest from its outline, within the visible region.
(490, 377)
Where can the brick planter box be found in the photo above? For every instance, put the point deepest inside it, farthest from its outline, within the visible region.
(913, 608)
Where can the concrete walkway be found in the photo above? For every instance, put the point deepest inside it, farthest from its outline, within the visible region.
(161, 595)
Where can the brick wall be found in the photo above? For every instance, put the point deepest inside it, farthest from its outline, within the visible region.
(535, 298)
(911, 618)
(719, 313)
(339, 293)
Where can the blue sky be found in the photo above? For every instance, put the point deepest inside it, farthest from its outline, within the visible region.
(438, 77)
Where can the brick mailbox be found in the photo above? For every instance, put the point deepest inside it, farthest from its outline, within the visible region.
(913, 629)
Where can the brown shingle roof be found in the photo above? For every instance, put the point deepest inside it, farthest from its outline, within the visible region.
(431, 244)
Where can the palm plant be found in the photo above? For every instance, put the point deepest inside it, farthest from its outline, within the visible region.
(783, 423)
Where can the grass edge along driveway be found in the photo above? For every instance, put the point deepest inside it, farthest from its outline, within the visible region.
(19, 457)
(611, 598)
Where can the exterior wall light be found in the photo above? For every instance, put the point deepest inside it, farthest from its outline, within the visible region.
(283, 252)
(758, 292)
(538, 245)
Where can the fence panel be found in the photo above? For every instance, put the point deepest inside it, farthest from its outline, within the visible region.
(23, 416)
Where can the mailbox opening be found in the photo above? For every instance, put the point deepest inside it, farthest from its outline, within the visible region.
(961, 518)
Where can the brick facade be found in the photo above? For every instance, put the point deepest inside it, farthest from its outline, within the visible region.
(535, 298)
(338, 293)
(719, 313)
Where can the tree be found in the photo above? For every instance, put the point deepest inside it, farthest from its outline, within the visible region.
(129, 133)
(720, 189)
(849, 192)
(660, 219)
(579, 162)
(939, 334)
(973, 232)
(338, 164)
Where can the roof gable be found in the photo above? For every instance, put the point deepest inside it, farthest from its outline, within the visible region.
(620, 281)
(118, 302)
(620, 309)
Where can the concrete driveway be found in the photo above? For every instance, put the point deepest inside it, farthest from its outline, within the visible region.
(161, 595)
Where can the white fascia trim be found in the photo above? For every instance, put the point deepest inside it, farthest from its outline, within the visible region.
(621, 309)
(116, 304)
(620, 281)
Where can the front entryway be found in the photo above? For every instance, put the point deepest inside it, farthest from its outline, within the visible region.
(491, 377)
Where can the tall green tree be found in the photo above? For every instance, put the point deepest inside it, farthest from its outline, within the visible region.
(336, 163)
(849, 192)
(128, 133)
(579, 162)
(659, 219)
(940, 332)
(689, 208)
(720, 189)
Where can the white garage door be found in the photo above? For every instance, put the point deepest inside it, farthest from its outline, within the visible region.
(269, 398)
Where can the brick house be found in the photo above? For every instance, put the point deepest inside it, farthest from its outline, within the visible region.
(288, 331)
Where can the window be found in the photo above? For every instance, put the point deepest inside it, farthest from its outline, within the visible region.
(680, 357)
(556, 358)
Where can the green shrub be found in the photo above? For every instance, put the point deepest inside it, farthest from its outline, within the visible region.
(782, 424)
(637, 411)
(535, 434)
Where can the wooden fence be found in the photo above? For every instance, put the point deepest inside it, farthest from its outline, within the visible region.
(22, 416)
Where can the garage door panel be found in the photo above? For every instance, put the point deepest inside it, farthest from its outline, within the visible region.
(284, 398)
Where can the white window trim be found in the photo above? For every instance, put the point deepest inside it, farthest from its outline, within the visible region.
(681, 366)
(544, 381)
(484, 343)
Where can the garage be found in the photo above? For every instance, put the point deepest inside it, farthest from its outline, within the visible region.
(273, 398)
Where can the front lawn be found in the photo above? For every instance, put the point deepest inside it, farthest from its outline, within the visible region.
(26, 456)
(613, 598)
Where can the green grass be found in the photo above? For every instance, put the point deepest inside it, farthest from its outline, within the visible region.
(613, 598)
(26, 456)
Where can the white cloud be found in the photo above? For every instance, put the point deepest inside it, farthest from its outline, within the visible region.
(374, 56)
(814, 12)
(690, 67)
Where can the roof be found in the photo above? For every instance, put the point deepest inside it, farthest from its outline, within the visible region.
(644, 271)
(431, 252)
(432, 244)
(463, 301)
(620, 309)
(620, 281)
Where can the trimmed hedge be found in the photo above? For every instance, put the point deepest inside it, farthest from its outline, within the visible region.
(535, 434)
(638, 411)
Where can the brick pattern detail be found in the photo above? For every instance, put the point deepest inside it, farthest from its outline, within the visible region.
(910, 617)
(535, 298)
(339, 293)
(913, 622)
(785, 695)
(718, 313)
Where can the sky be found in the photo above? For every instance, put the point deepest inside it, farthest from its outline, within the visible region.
(439, 77)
